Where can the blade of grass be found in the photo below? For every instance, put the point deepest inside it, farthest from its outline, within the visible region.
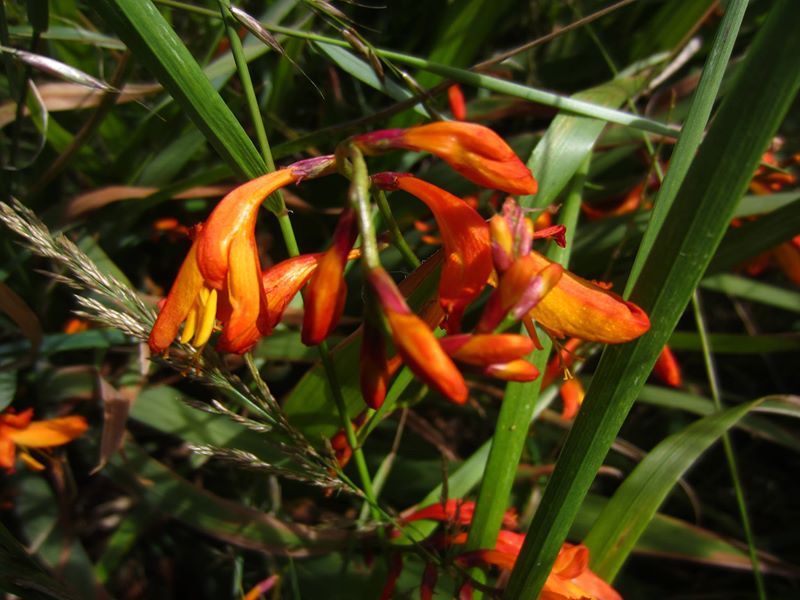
(692, 131)
(730, 456)
(688, 237)
(519, 404)
(623, 520)
(755, 291)
(155, 43)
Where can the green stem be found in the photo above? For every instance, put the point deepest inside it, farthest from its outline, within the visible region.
(347, 425)
(276, 202)
(730, 456)
(398, 241)
(356, 169)
(466, 77)
(517, 410)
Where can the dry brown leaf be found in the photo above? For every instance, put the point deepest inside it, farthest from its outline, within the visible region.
(19, 312)
(89, 201)
(116, 407)
(71, 96)
(98, 198)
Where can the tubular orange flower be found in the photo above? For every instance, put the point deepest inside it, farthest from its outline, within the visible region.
(497, 355)
(572, 395)
(18, 430)
(221, 275)
(454, 510)
(327, 290)
(457, 105)
(474, 151)
(465, 236)
(576, 307)
(414, 341)
(667, 370)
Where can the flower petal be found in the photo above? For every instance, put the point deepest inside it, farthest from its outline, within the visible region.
(465, 236)
(234, 216)
(415, 342)
(576, 307)
(49, 433)
(326, 292)
(179, 302)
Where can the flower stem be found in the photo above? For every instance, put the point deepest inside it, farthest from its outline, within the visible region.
(519, 406)
(347, 425)
(727, 446)
(398, 241)
(275, 203)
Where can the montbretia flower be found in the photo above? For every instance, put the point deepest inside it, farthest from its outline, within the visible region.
(325, 296)
(474, 151)
(220, 279)
(453, 511)
(569, 579)
(496, 355)
(667, 370)
(465, 237)
(455, 97)
(569, 306)
(18, 430)
(415, 342)
(579, 308)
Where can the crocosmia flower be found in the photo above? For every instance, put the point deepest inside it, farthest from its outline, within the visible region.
(415, 342)
(327, 290)
(496, 355)
(465, 236)
(474, 151)
(220, 279)
(18, 430)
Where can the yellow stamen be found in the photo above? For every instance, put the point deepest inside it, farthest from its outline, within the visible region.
(189, 325)
(31, 462)
(207, 316)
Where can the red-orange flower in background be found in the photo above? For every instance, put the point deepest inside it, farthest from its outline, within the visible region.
(415, 342)
(667, 370)
(569, 579)
(221, 275)
(474, 151)
(465, 236)
(18, 430)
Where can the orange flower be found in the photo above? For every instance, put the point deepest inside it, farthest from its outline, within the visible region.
(454, 511)
(457, 105)
(667, 370)
(474, 151)
(465, 236)
(562, 302)
(18, 430)
(326, 293)
(221, 276)
(496, 355)
(572, 395)
(576, 307)
(415, 342)
(569, 579)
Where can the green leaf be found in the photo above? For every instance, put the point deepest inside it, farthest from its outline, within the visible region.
(624, 519)
(153, 41)
(753, 290)
(362, 71)
(668, 537)
(732, 343)
(21, 575)
(8, 387)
